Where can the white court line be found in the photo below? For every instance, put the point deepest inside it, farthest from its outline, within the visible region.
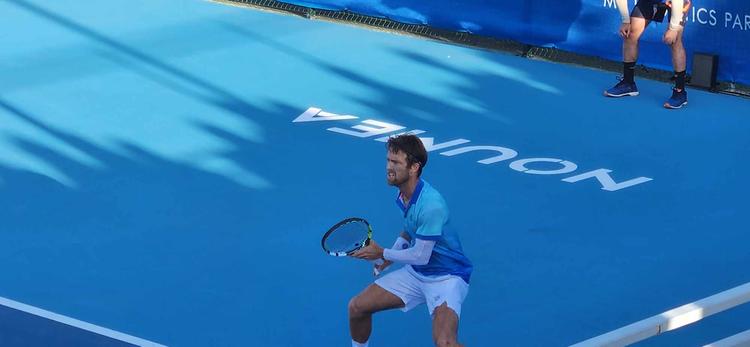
(77, 323)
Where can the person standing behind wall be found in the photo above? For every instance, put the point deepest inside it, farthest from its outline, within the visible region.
(632, 27)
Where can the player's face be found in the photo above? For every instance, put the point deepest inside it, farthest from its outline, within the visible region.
(396, 169)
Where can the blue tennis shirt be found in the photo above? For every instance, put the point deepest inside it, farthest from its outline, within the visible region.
(426, 217)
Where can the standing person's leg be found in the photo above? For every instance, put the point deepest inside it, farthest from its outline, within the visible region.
(679, 63)
(630, 50)
(630, 44)
(361, 307)
(679, 58)
(678, 49)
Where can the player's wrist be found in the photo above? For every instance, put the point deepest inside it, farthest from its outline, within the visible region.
(379, 252)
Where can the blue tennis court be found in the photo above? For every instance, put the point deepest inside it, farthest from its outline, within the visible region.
(167, 169)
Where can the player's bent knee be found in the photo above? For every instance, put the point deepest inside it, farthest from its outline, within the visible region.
(356, 307)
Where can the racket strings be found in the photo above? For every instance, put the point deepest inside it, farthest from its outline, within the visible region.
(347, 237)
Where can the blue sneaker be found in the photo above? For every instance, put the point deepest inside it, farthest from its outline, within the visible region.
(677, 100)
(622, 89)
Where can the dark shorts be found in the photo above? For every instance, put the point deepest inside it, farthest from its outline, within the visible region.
(646, 9)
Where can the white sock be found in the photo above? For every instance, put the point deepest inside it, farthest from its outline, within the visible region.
(357, 344)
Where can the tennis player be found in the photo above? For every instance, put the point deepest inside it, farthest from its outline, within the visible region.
(633, 26)
(435, 271)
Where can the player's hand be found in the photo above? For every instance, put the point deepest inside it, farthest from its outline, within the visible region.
(624, 30)
(370, 252)
(383, 266)
(670, 36)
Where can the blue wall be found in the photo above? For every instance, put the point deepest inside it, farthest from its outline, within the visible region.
(583, 26)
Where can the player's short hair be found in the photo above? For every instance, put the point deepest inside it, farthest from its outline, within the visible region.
(412, 146)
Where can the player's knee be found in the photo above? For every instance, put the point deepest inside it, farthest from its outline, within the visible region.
(355, 307)
(443, 335)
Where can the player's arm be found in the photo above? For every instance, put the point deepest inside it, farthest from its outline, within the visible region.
(670, 36)
(430, 229)
(677, 15)
(622, 6)
(404, 235)
(419, 254)
(402, 242)
(373, 251)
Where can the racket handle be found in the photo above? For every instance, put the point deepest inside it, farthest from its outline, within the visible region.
(376, 262)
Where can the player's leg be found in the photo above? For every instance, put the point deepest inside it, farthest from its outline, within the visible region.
(398, 289)
(639, 20)
(444, 300)
(630, 44)
(361, 307)
(678, 49)
(679, 58)
(679, 63)
(445, 326)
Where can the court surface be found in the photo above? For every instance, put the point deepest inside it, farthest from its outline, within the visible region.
(153, 181)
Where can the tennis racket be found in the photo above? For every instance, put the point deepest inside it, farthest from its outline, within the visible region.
(346, 237)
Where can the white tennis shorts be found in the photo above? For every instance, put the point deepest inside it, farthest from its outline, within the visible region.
(414, 288)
